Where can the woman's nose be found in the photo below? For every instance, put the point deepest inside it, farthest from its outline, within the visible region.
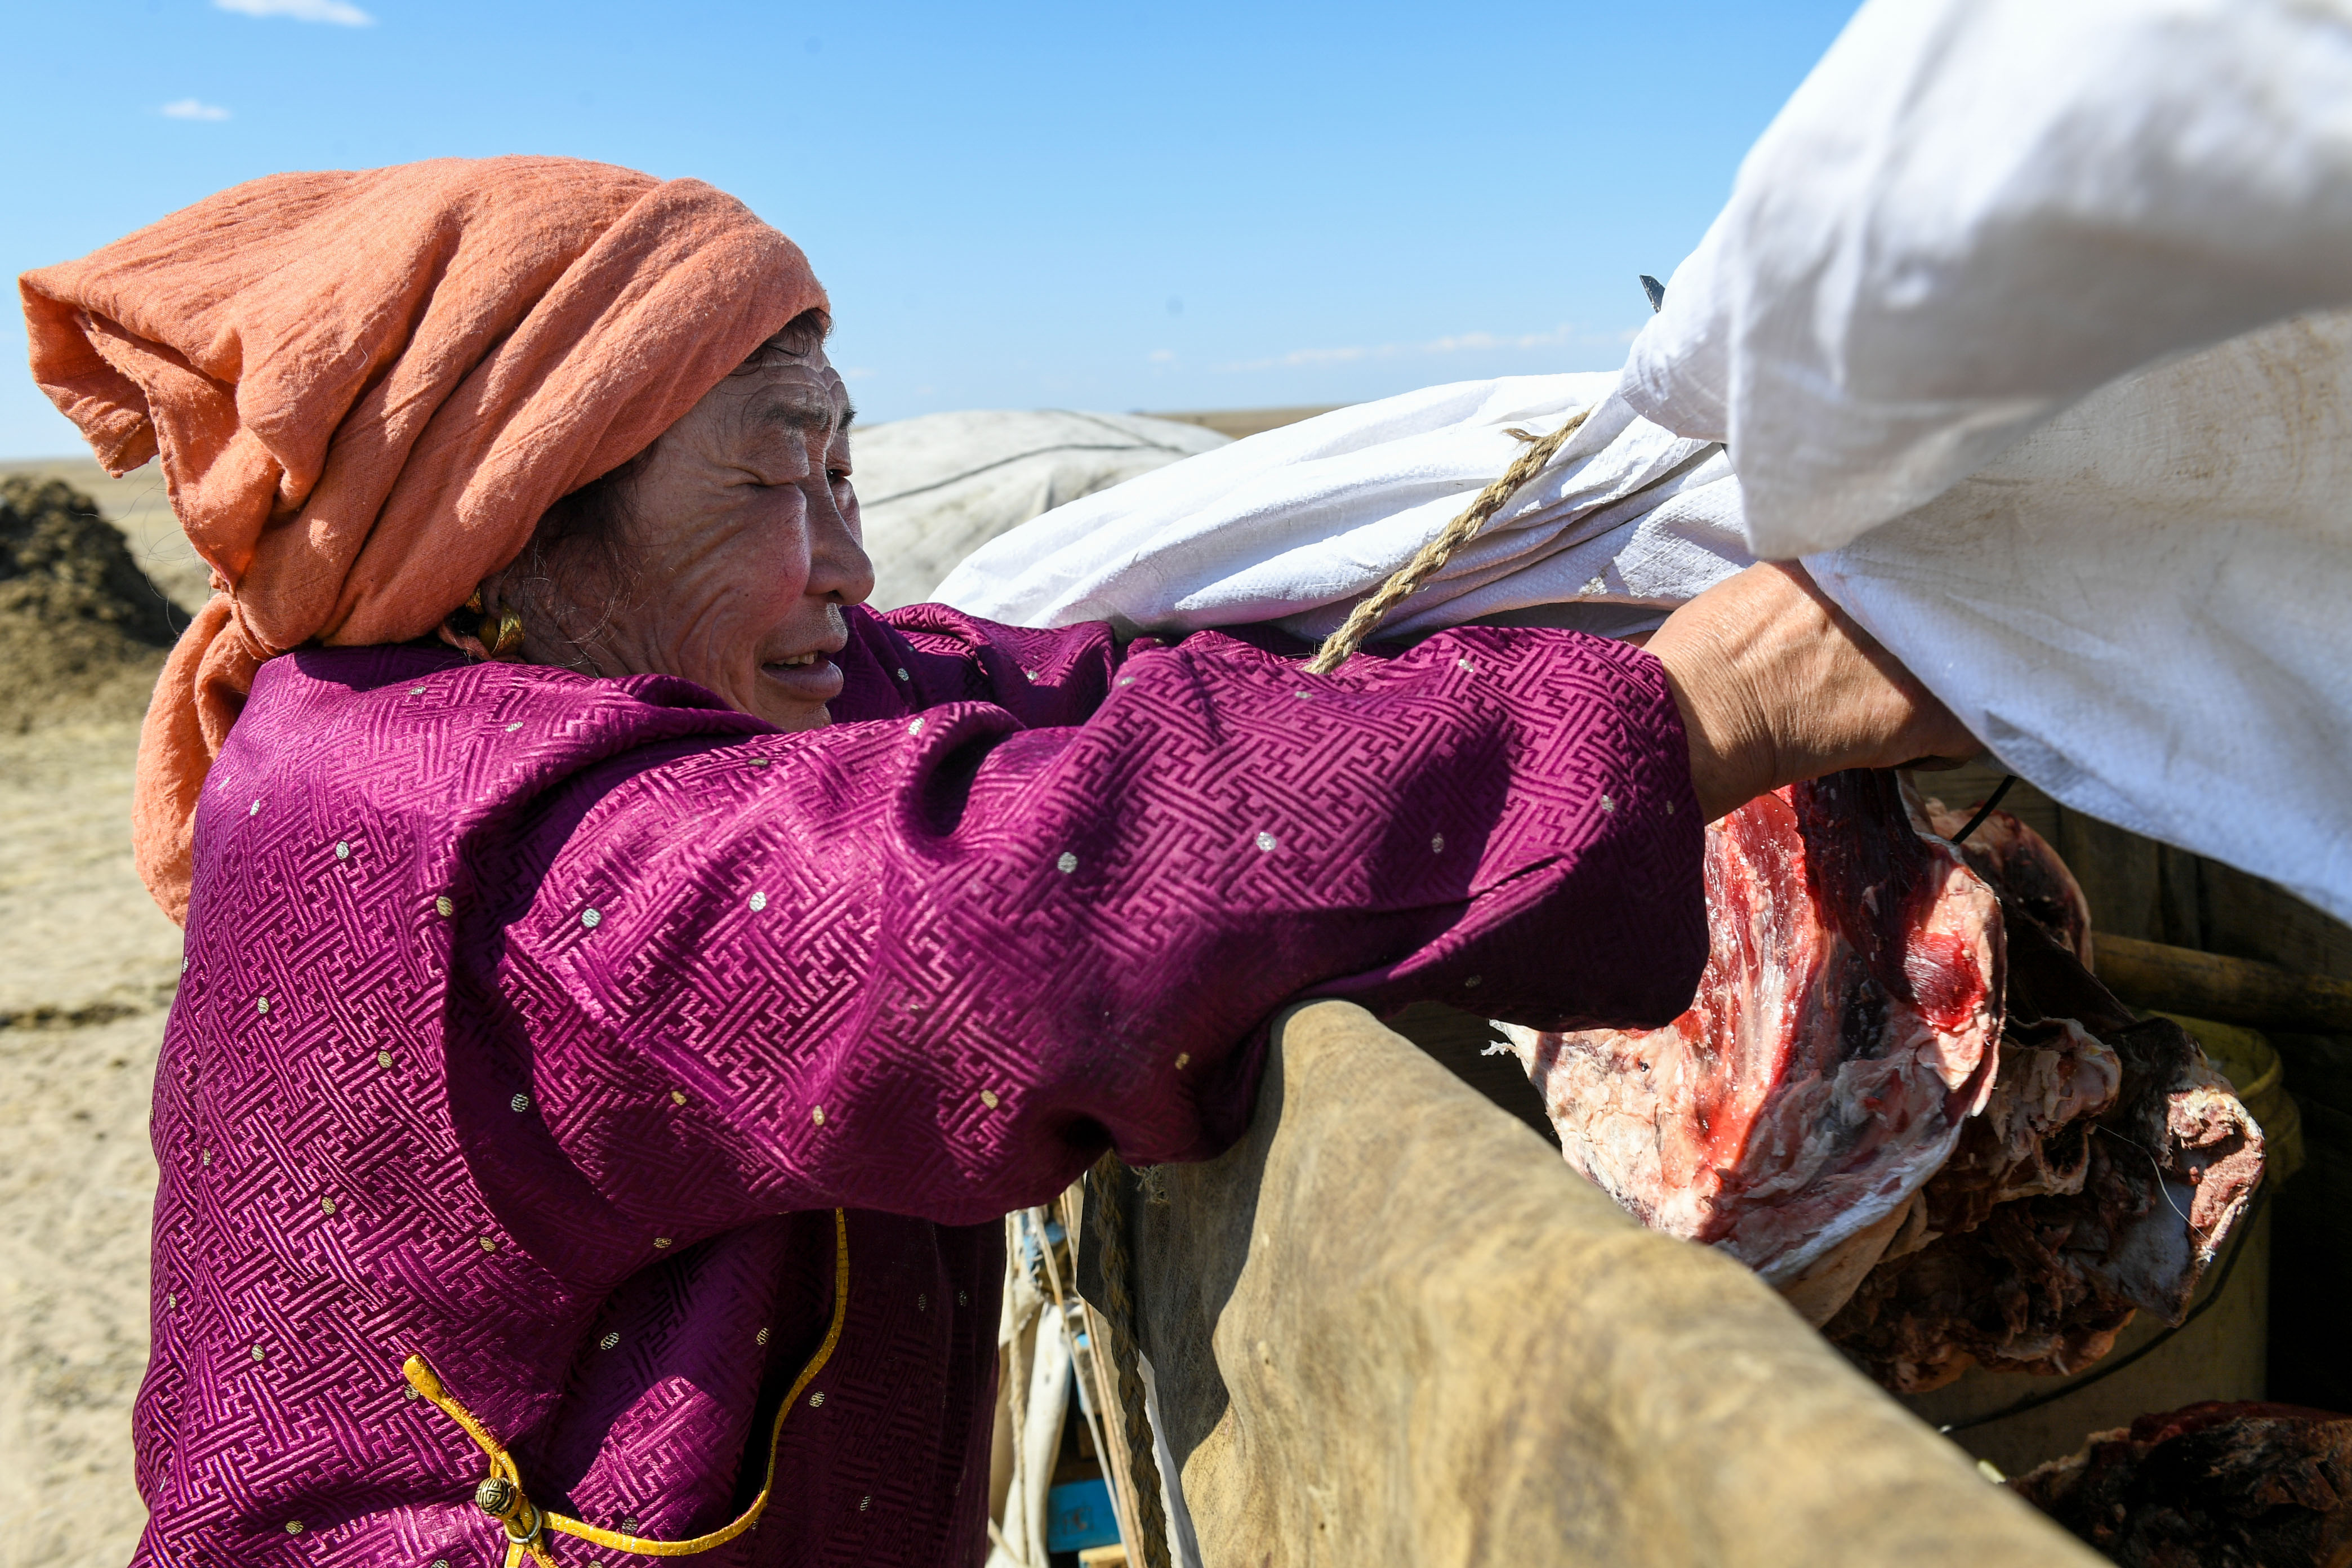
(839, 568)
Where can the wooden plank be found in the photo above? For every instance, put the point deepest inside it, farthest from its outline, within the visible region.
(2232, 990)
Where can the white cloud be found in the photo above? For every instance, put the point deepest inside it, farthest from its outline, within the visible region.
(1163, 356)
(341, 13)
(1559, 337)
(193, 109)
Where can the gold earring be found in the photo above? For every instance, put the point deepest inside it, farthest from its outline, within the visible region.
(510, 633)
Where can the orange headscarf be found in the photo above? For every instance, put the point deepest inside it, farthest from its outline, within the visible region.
(366, 388)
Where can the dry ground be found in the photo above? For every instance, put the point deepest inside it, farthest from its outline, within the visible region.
(91, 964)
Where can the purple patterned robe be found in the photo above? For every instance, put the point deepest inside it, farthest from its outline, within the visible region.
(535, 1023)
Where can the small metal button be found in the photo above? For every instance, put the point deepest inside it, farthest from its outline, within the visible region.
(816, 1399)
(916, 728)
(261, 1003)
(1267, 843)
(444, 907)
(1437, 844)
(293, 1527)
(761, 1338)
(904, 676)
(384, 1058)
(521, 1103)
(608, 1341)
(326, 1205)
(677, 1097)
(817, 1115)
(494, 1495)
(343, 848)
(988, 1098)
(1183, 1060)
(759, 902)
(259, 1354)
(1067, 863)
(489, 1244)
(590, 919)
(661, 1241)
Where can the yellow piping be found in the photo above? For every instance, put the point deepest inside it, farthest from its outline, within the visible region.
(527, 1525)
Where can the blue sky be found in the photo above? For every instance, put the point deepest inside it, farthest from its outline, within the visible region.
(1110, 205)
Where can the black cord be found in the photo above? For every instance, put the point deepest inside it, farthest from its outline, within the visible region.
(1985, 810)
(2108, 1369)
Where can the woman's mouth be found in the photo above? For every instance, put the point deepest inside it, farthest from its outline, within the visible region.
(811, 677)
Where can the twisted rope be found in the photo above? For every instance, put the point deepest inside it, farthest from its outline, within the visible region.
(1109, 1212)
(1408, 579)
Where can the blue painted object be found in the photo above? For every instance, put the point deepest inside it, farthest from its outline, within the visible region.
(1078, 1515)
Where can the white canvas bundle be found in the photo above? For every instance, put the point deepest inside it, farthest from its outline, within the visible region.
(1294, 525)
(1995, 326)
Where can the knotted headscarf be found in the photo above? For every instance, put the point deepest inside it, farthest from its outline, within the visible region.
(366, 388)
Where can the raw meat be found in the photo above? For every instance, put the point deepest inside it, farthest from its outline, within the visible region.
(2020, 865)
(2211, 1486)
(2137, 1191)
(1841, 1036)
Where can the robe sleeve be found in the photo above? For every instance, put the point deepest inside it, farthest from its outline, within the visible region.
(1039, 894)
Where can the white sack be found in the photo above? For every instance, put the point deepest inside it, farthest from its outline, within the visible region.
(1296, 524)
(933, 488)
(1973, 213)
(2146, 607)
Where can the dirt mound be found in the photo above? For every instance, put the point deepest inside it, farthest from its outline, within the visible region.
(82, 629)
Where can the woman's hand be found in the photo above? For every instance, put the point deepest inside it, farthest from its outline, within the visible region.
(1777, 684)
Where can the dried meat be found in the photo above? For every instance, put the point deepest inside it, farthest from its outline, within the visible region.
(2211, 1485)
(2044, 1281)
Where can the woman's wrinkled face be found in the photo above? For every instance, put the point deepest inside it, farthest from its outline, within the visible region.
(742, 546)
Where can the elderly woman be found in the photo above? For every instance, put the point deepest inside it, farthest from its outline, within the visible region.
(626, 981)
